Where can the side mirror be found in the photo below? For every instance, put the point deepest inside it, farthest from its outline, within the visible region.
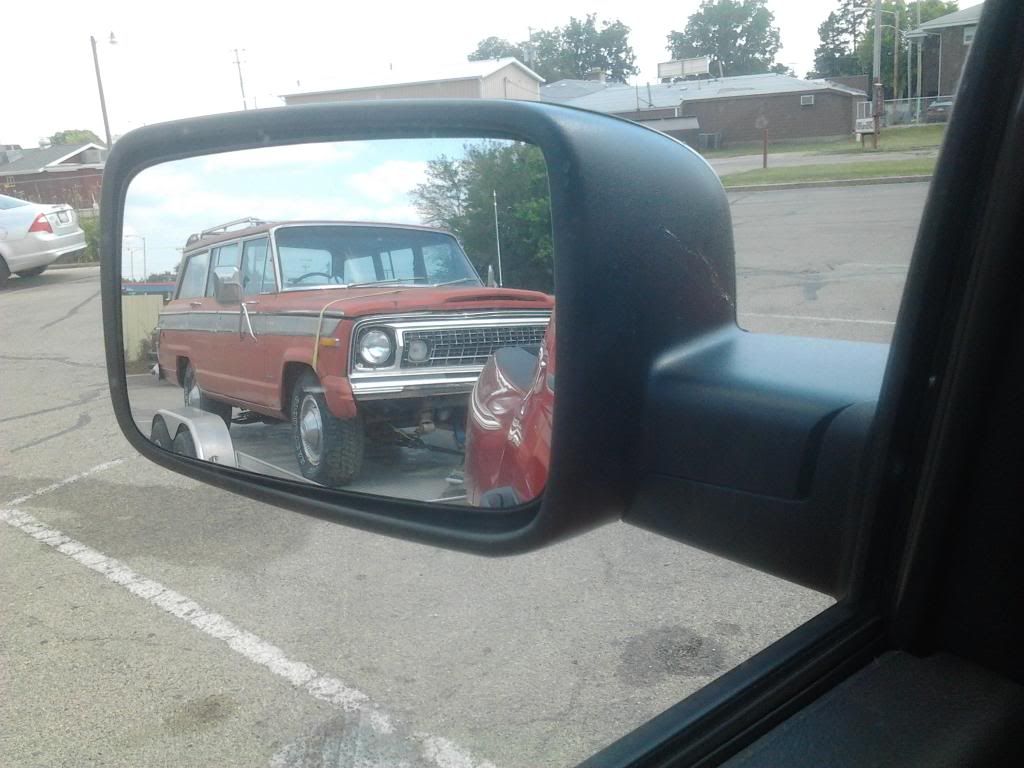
(227, 285)
(668, 416)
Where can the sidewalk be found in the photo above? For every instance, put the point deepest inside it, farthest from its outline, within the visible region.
(726, 166)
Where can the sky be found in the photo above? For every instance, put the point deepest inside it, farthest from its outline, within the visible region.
(353, 181)
(175, 60)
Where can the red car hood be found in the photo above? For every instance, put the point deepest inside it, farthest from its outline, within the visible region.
(355, 302)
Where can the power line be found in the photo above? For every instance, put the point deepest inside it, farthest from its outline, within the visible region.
(241, 81)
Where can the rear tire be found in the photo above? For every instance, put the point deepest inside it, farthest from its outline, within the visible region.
(195, 398)
(34, 272)
(4, 274)
(328, 450)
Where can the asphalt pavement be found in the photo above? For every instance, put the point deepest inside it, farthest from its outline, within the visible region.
(150, 620)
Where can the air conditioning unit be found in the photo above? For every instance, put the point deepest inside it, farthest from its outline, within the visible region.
(709, 140)
(807, 101)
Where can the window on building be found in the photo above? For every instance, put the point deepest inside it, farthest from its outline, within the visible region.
(969, 35)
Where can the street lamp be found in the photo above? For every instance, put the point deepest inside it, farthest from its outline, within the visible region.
(145, 274)
(99, 85)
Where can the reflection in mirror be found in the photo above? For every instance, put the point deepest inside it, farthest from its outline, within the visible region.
(371, 316)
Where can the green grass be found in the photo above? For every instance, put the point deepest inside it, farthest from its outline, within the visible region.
(837, 172)
(891, 140)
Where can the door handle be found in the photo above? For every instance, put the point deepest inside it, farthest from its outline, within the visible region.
(244, 316)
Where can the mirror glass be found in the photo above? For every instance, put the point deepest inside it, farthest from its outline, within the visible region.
(374, 316)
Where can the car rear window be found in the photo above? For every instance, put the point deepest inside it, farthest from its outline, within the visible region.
(11, 202)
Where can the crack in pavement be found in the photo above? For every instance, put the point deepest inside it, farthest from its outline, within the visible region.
(60, 359)
(70, 312)
(95, 394)
(83, 420)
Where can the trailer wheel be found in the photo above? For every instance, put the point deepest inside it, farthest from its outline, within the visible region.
(328, 450)
(159, 435)
(183, 443)
(194, 397)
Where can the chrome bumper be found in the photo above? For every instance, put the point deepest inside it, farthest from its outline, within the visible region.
(399, 386)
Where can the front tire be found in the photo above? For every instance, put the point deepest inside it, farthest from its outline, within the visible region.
(328, 450)
(194, 397)
(34, 272)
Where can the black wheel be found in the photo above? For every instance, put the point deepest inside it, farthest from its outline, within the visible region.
(159, 435)
(194, 397)
(328, 450)
(4, 274)
(183, 443)
(34, 272)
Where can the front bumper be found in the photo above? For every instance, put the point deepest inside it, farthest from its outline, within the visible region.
(421, 384)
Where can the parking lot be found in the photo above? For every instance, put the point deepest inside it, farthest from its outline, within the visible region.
(150, 620)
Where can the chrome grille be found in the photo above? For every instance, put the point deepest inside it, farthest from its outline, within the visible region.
(469, 346)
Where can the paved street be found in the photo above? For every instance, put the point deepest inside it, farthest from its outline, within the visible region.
(149, 620)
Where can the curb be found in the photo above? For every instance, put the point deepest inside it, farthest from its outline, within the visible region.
(80, 265)
(829, 183)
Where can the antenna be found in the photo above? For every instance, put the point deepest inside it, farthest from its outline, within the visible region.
(241, 81)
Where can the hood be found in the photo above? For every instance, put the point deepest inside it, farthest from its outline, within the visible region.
(377, 300)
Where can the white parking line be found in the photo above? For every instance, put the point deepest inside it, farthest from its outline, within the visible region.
(818, 319)
(441, 752)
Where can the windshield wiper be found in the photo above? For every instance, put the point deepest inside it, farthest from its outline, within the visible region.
(454, 282)
(393, 281)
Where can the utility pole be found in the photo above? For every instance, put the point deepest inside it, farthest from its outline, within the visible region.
(896, 57)
(497, 235)
(920, 42)
(876, 70)
(241, 82)
(99, 86)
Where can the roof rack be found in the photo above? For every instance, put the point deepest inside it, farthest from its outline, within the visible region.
(220, 229)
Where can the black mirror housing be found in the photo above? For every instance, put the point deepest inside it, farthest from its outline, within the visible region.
(642, 240)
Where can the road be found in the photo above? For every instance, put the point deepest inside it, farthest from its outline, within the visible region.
(149, 620)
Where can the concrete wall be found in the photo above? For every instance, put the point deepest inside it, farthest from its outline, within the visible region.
(468, 88)
(832, 114)
(510, 82)
(139, 315)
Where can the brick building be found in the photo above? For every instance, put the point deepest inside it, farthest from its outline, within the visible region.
(71, 174)
(718, 111)
(505, 78)
(945, 43)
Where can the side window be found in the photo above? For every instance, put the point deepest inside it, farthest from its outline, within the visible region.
(194, 279)
(257, 276)
(224, 256)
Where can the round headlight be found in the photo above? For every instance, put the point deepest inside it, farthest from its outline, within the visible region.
(418, 350)
(375, 347)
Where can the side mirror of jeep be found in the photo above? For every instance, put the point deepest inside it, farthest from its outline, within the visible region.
(227, 286)
(356, 383)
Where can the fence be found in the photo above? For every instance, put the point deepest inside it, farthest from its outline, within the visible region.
(902, 111)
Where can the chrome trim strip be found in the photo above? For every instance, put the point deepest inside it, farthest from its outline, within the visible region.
(273, 323)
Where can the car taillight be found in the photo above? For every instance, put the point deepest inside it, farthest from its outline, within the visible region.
(41, 224)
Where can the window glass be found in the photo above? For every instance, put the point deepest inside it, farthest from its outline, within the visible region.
(194, 279)
(359, 269)
(304, 267)
(968, 35)
(10, 202)
(224, 256)
(255, 271)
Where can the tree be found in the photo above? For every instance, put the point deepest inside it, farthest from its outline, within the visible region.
(496, 48)
(459, 195)
(740, 36)
(835, 55)
(75, 136)
(575, 51)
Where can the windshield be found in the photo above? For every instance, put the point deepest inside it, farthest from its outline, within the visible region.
(331, 255)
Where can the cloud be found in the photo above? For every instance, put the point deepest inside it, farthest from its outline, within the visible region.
(389, 182)
(292, 156)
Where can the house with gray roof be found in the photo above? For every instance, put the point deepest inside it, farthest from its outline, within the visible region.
(717, 111)
(61, 173)
(945, 43)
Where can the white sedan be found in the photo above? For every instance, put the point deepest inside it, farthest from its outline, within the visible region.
(34, 235)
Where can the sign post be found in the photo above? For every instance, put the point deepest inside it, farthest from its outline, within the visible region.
(761, 123)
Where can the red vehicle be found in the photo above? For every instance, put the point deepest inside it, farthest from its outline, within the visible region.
(508, 434)
(347, 330)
